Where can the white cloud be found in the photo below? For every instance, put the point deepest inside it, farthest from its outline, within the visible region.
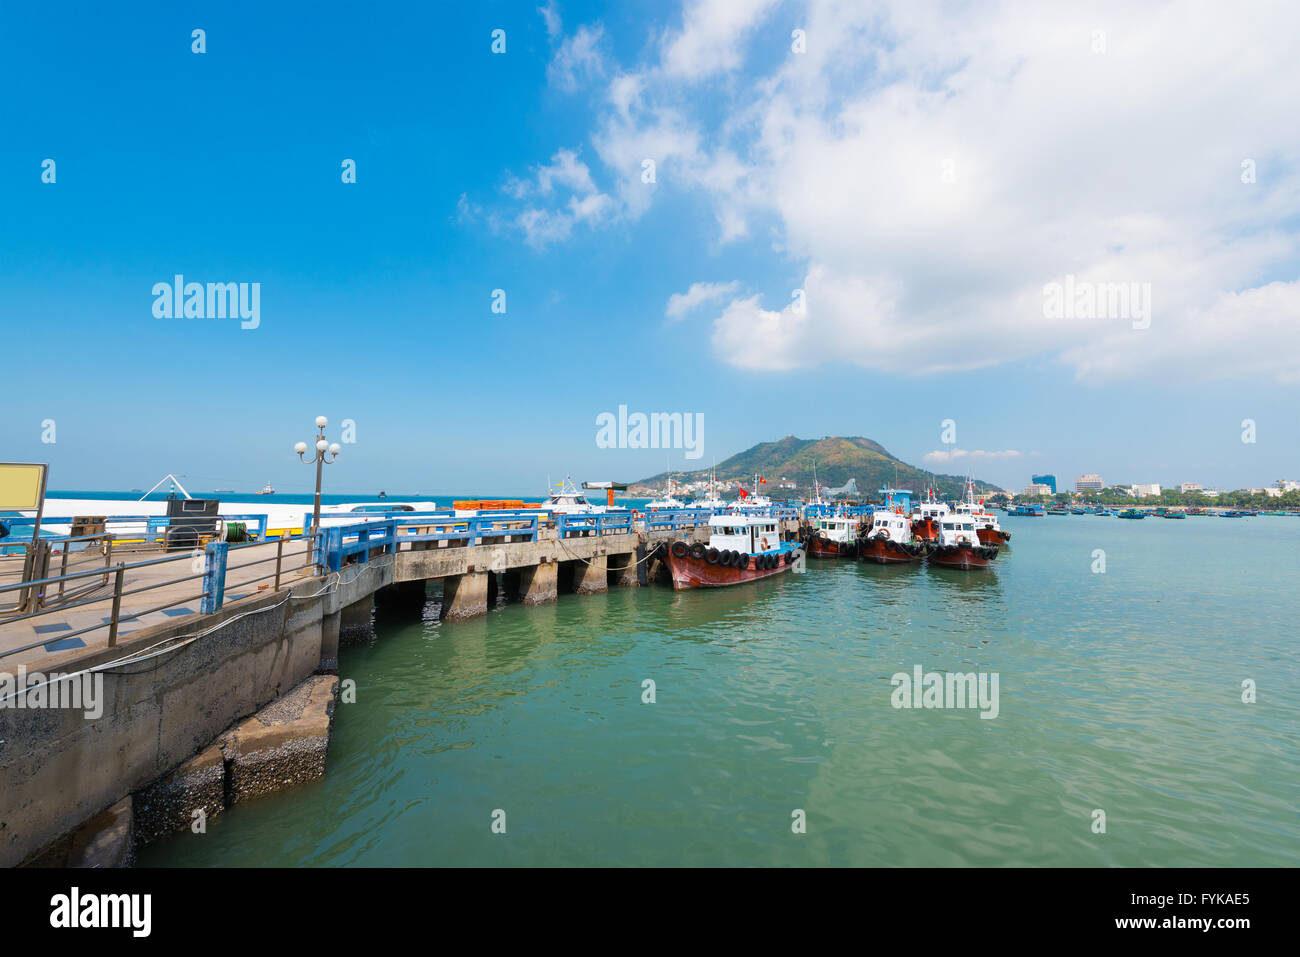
(929, 169)
(680, 303)
(974, 455)
(711, 35)
(566, 173)
(578, 61)
(551, 15)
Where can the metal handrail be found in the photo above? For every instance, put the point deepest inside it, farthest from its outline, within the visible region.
(214, 561)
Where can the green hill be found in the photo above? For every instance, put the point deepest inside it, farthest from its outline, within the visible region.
(838, 459)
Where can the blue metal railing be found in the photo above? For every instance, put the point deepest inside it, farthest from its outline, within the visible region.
(600, 523)
(148, 527)
(677, 518)
(337, 543)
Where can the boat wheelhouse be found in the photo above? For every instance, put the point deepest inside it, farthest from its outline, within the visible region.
(569, 501)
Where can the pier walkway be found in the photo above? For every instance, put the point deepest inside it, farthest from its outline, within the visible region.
(99, 596)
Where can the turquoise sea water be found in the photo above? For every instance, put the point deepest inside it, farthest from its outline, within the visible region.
(1119, 691)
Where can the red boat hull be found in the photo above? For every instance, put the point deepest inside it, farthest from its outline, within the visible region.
(825, 548)
(963, 557)
(688, 572)
(885, 552)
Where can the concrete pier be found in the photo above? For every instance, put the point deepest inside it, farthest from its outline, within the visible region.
(591, 576)
(465, 596)
(622, 570)
(356, 623)
(538, 583)
(283, 745)
(169, 804)
(204, 709)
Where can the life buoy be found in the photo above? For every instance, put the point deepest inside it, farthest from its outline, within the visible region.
(766, 546)
(711, 556)
(883, 533)
(680, 549)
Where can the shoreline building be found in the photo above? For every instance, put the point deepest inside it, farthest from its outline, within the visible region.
(1089, 482)
(1146, 491)
(1037, 488)
(1048, 480)
(1189, 487)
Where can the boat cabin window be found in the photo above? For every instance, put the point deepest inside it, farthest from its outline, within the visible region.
(950, 526)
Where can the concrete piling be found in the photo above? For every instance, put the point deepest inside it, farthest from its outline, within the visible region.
(465, 596)
(538, 584)
(591, 576)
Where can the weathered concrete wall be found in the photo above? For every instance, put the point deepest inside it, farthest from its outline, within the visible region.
(169, 803)
(160, 708)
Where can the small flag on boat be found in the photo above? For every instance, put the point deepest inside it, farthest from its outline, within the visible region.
(743, 493)
(763, 480)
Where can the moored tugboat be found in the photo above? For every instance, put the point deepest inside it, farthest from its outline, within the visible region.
(927, 516)
(833, 536)
(959, 546)
(887, 538)
(986, 523)
(742, 548)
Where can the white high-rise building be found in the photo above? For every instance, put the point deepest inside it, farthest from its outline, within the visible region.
(1091, 482)
(1146, 491)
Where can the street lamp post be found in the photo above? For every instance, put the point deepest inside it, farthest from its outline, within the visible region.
(323, 448)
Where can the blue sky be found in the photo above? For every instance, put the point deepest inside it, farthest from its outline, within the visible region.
(522, 171)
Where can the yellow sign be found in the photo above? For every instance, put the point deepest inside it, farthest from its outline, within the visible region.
(21, 486)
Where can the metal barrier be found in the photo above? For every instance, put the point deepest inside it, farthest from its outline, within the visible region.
(570, 525)
(673, 519)
(148, 529)
(335, 544)
(210, 566)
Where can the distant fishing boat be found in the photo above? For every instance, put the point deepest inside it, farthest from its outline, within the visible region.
(1031, 511)
(1057, 510)
(1174, 513)
(1234, 513)
(1131, 513)
(267, 490)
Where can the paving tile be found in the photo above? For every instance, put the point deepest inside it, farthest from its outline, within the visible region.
(177, 612)
(47, 629)
(65, 644)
